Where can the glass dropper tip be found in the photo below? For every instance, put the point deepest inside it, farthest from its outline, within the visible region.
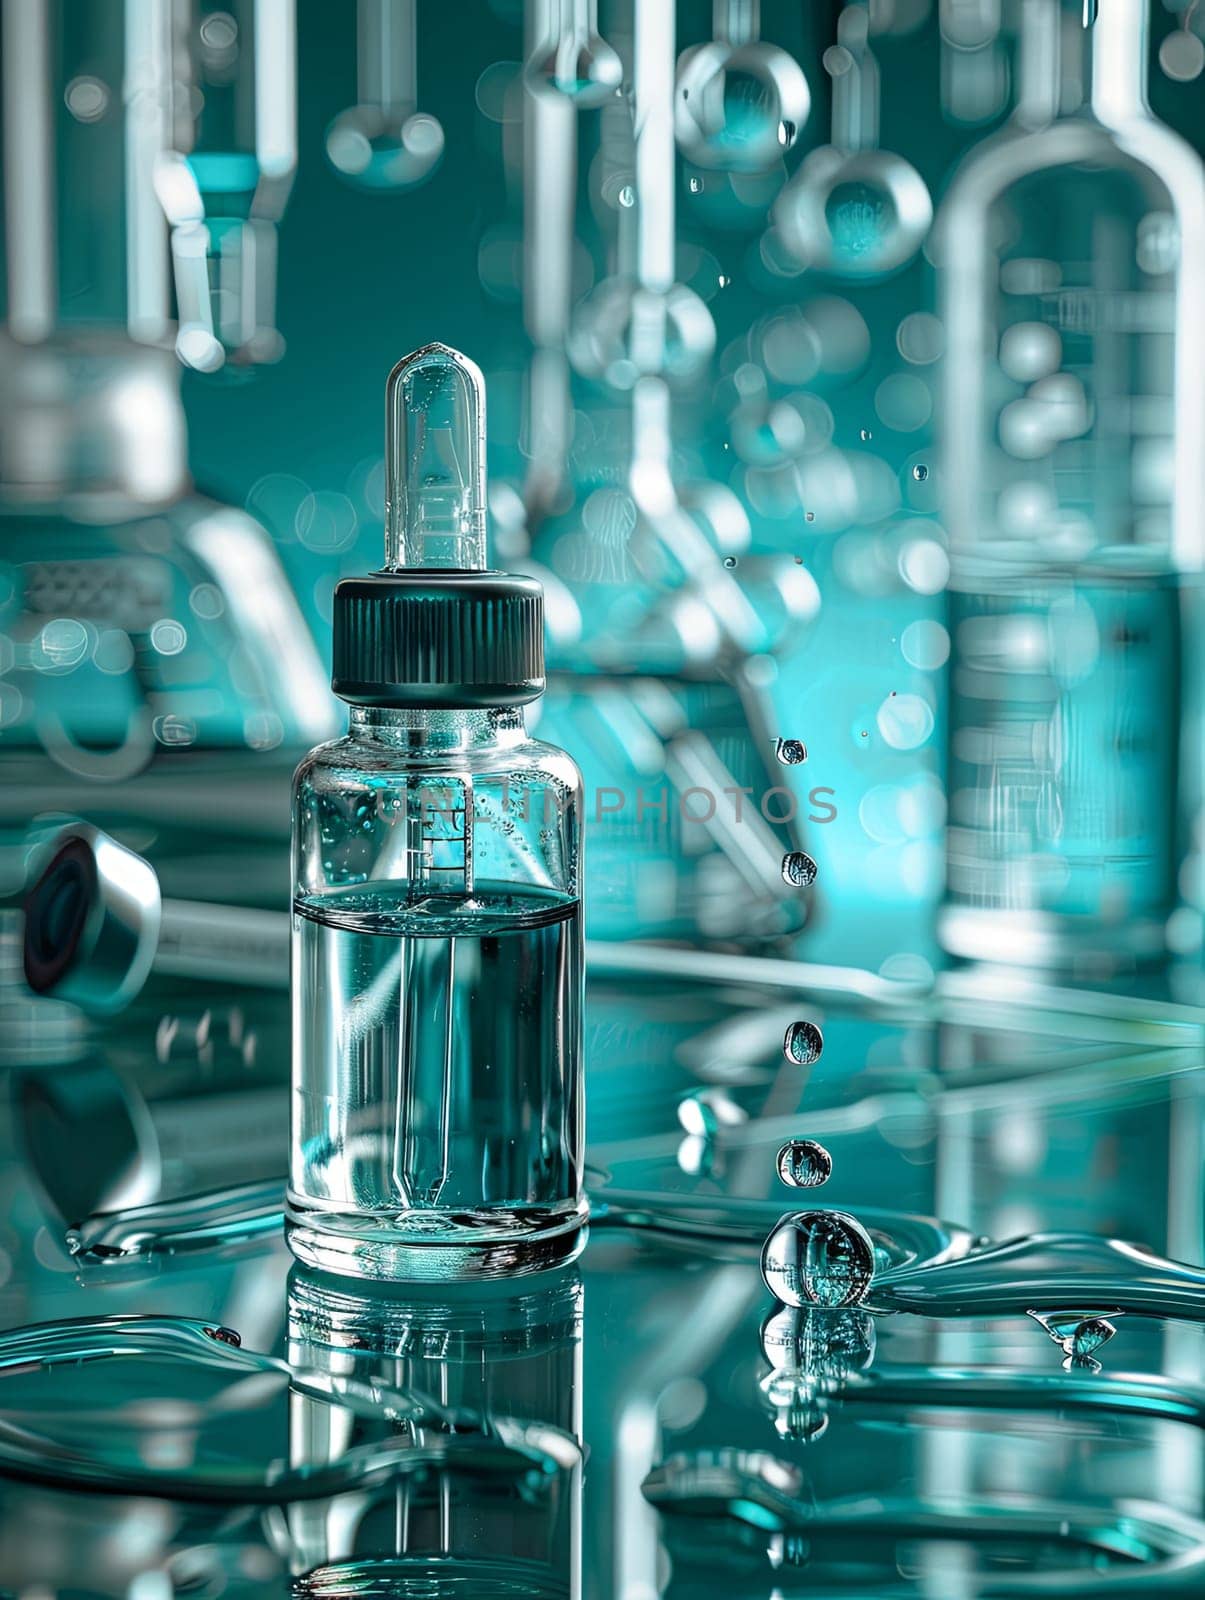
(435, 462)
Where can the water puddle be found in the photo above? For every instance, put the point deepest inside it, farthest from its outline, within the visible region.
(178, 1410)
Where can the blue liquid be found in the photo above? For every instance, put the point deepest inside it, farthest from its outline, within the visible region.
(436, 1105)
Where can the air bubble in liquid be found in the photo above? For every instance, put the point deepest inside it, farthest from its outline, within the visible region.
(804, 1164)
(730, 561)
(818, 1258)
(920, 472)
(803, 1043)
(798, 869)
(791, 751)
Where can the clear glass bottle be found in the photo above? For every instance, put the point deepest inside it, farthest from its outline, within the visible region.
(1072, 249)
(437, 945)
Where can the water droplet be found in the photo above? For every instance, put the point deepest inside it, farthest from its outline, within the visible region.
(1088, 1336)
(696, 186)
(866, 434)
(791, 751)
(798, 869)
(920, 472)
(730, 561)
(810, 516)
(804, 1164)
(822, 1258)
(803, 1043)
(786, 134)
(627, 196)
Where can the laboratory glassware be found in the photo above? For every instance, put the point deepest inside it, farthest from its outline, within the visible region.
(572, 57)
(739, 102)
(141, 615)
(1072, 250)
(224, 176)
(852, 208)
(384, 142)
(437, 977)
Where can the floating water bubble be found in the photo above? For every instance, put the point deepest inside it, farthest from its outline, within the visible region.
(920, 472)
(820, 1258)
(925, 644)
(1182, 54)
(804, 1043)
(865, 433)
(791, 751)
(920, 338)
(730, 561)
(798, 869)
(804, 1164)
(905, 721)
(903, 402)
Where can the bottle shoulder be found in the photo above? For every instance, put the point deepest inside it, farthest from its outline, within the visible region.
(351, 761)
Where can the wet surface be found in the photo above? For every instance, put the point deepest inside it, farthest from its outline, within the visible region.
(944, 1412)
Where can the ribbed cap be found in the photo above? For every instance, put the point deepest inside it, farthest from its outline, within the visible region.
(425, 637)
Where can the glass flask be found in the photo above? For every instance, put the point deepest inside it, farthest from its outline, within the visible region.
(437, 945)
(1072, 249)
(135, 614)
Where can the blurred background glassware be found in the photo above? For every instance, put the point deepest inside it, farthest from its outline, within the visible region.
(1074, 423)
(227, 88)
(571, 56)
(140, 617)
(739, 103)
(851, 208)
(384, 143)
(975, 76)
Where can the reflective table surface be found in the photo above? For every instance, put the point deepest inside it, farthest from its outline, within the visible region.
(1011, 1403)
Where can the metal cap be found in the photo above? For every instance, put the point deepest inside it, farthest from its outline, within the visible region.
(91, 921)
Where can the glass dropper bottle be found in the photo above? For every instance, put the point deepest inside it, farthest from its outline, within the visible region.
(437, 929)
(1072, 249)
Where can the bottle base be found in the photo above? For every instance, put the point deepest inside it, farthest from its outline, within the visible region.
(434, 1246)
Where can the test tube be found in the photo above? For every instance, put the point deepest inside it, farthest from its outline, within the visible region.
(224, 184)
(384, 142)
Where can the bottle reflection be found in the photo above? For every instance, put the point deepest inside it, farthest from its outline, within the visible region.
(490, 1360)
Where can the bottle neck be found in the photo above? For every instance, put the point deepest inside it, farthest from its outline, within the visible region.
(1118, 41)
(1065, 66)
(437, 732)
